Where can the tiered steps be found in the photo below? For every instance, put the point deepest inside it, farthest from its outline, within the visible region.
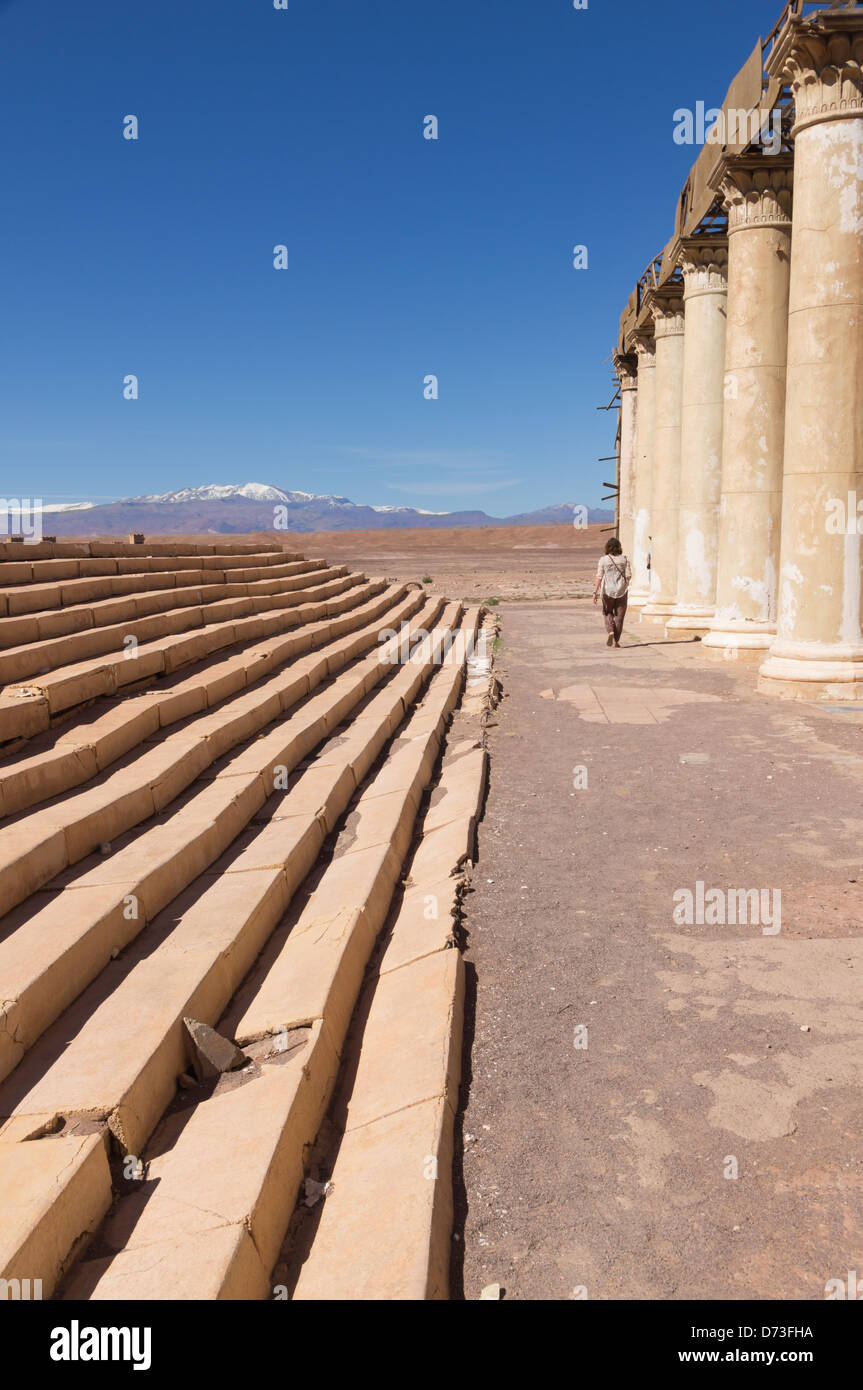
(225, 845)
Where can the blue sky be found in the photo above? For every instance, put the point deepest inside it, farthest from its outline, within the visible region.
(407, 257)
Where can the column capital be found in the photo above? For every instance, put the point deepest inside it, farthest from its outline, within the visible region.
(704, 262)
(666, 306)
(822, 58)
(758, 192)
(626, 367)
(644, 344)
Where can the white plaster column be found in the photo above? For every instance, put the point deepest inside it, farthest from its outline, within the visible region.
(627, 375)
(704, 264)
(818, 649)
(758, 194)
(666, 305)
(645, 348)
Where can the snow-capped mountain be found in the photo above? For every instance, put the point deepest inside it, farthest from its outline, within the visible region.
(417, 511)
(67, 506)
(238, 508)
(222, 492)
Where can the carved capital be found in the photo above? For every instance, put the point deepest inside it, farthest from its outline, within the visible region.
(704, 262)
(626, 368)
(645, 347)
(822, 58)
(666, 306)
(758, 193)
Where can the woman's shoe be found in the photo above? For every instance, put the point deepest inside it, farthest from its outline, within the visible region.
(609, 641)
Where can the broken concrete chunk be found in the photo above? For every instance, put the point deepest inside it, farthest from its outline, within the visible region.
(314, 1191)
(211, 1054)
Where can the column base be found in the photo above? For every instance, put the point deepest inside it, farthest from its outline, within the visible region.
(733, 639)
(656, 613)
(813, 671)
(688, 622)
(637, 601)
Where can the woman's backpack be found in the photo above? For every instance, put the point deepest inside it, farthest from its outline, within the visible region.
(614, 582)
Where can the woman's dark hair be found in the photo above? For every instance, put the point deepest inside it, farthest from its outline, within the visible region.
(613, 546)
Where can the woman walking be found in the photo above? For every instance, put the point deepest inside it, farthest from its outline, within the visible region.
(613, 574)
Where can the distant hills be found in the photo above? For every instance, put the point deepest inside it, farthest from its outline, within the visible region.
(226, 509)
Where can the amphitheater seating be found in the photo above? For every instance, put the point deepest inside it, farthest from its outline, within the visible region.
(219, 765)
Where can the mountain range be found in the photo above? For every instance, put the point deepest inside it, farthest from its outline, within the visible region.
(227, 509)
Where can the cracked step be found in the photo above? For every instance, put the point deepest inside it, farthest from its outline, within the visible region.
(58, 943)
(241, 1185)
(386, 1225)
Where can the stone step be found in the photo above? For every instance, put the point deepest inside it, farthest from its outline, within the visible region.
(304, 982)
(254, 1130)
(15, 552)
(106, 734)
(82, 617)
(105, 674)
(52, 695)
(55, 1191)
(22, 715)
(117, 1060)
(36, 598)
(220, 1243)
(28, 659)
(28, 709)
(139, 789)
(61, 573)
(386, 1225)
(56, 944)
(19, 595)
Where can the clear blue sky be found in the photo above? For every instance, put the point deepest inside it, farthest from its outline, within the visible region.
(406, 256)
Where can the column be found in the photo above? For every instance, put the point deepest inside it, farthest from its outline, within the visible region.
(818, 649)
(666, 305)
(704, 262)
(645, 348)
(627, 375)
(758, 194)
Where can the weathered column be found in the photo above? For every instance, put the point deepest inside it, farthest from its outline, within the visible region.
(704, 264)
(818, 649)
(666, 305)
(758, 199)
(645, 348)
(627, 375)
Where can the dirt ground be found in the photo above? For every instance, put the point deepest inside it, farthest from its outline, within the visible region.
(655, 1109)
(502, 562)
